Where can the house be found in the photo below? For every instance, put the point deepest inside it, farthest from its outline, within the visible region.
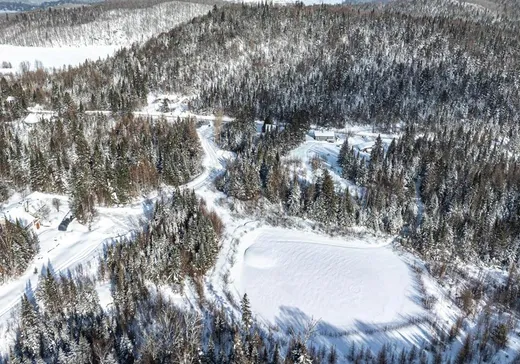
(326, 136)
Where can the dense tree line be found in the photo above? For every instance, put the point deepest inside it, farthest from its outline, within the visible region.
(455, 188)
(468, 181)
(180, 240)
(97, 159)
(62, 321)
(18, 246)
(474, 10)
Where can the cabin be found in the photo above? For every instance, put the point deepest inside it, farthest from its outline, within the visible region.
(325, 136)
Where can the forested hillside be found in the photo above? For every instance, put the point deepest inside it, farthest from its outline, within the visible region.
(339, 64)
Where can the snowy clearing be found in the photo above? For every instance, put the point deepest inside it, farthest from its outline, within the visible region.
(51, 57)
(293, 276)
(360, 140)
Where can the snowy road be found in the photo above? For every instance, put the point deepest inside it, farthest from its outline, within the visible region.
(66, 250)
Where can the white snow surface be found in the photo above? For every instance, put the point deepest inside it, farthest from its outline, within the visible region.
(293, 276)
(51, 57)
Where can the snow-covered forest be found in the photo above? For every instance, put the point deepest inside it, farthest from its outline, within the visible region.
(389, 68)
(108, 23)
(208, 223)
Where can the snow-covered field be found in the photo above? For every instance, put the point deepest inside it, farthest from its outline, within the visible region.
(50, 57)
(294, 276)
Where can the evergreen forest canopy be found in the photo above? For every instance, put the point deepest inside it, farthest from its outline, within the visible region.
(443, 74)
(377, 66)
(97, 161)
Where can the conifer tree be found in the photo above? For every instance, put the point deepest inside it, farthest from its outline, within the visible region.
(247, 318)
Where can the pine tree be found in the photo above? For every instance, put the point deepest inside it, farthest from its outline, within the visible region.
(464, 355)
(165, 106)
(382, 357)
(276, 354)
(333, 356)
(293, 202)
(344, 150)
(299, 354)
(247, 318)
(28, 341)
(499, 335)
(239, 356)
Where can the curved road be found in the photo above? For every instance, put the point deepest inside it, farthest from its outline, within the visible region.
(87, 246)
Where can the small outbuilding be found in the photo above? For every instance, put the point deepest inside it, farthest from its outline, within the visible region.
(325, 136)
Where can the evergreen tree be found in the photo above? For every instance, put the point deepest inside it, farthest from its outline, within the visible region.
(247, 318)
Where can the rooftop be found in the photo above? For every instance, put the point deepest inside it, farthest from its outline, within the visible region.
(325, 133)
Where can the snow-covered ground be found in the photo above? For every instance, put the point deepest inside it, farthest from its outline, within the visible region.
(60, 250)
(328, 155)
(358, 138)
(50, 57)
(293, 276)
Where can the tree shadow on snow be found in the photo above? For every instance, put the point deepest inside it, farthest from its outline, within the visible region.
(406, 331)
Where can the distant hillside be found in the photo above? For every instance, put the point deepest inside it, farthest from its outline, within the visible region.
(33, 4)
(359, 63)
(29, 5)
(108, 23)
